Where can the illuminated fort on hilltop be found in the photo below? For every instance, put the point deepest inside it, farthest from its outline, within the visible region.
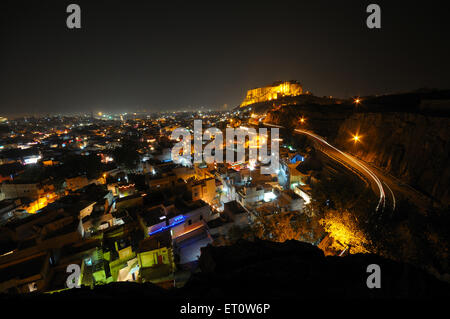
(272, 92)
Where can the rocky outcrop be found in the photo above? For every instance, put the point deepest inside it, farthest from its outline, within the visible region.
(296, 269)
(400, 134)
(410, 146)
(264, 270)
(324, 119)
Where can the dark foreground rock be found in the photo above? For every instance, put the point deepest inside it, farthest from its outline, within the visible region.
(265, 270)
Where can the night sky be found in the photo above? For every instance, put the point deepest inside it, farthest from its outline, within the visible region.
(153, 56)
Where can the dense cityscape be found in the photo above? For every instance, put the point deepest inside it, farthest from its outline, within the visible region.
(103, 191)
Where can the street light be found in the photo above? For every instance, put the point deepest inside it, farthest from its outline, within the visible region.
(357, 100)
(356, 138)
(302, 120)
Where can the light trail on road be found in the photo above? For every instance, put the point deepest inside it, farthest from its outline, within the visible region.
(392, 194)
(350, 160)
(382, 199)
(273, 125)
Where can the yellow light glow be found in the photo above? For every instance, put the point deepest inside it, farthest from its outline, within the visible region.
(341, 226)
(272, 92)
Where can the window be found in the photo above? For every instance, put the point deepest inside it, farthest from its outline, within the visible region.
(88, 261)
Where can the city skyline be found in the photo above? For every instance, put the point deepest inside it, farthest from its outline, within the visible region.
(189, 153)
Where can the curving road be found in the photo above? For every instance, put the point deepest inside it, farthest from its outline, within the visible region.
(377, 180)
(377, 184)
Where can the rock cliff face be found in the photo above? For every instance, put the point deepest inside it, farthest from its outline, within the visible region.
(412, 147)
(322, 119)
(411, 144)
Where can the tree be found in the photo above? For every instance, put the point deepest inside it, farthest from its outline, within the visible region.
(127, 154)
(344, 229)
(277, 227)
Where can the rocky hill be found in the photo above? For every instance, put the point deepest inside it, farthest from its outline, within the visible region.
(324, 119)
(411, 146)
(406, 135)
(264, 270)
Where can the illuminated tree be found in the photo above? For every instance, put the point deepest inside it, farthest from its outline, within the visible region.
(343, 229)
(127, 155)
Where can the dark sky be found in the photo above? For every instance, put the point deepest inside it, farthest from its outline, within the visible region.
(149, 55)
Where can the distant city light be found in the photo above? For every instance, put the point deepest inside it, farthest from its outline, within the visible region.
(32, 160)
(269, 196)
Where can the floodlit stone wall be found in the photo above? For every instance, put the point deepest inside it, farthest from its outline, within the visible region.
(272, 92)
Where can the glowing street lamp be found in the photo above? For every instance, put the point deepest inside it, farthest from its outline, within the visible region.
(302, 120)
(356, 138)
(357, 101)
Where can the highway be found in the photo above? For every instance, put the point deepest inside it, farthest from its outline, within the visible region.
(378, 181)
(379, 186)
